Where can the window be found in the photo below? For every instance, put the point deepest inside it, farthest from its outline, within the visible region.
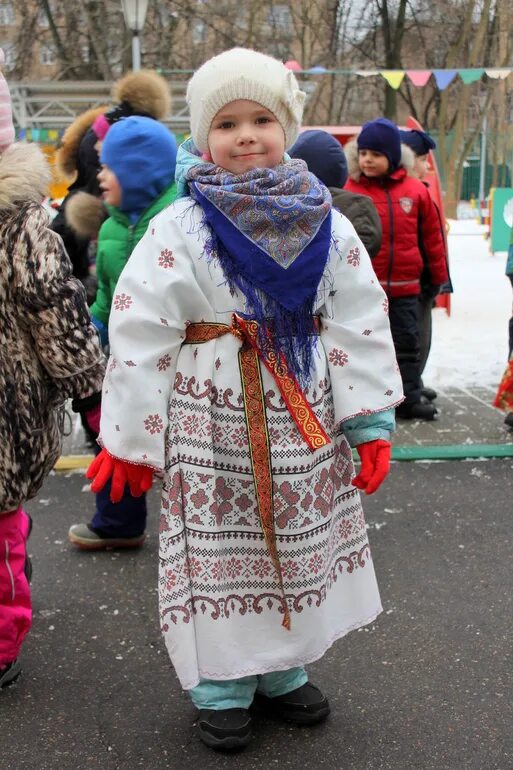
(47, 55)
(199, 32)
(10, 57)
(42, 19)
(6, 14)
(280, 18)
(86, 52)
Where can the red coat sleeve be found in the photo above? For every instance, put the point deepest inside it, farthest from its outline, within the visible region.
(433, 244)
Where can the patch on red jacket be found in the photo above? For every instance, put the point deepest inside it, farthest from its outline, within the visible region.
(406, 204)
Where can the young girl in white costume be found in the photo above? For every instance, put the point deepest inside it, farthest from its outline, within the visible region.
(250, 350)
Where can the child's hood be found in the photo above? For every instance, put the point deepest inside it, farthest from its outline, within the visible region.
(323, 155)
(351, 151)
(142, 154)
(188, 156)
(24, 175)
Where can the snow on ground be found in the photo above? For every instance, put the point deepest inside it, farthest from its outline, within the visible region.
(470, 346)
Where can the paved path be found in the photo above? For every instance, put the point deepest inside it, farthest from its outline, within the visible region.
(427, 686)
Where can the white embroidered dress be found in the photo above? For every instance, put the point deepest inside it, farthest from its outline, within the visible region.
(179, 408)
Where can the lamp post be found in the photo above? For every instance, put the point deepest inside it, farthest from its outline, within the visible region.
(134, 12)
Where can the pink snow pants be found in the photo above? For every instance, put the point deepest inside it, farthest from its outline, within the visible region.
(15, 605)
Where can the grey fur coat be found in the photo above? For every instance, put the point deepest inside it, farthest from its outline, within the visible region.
(49, 349)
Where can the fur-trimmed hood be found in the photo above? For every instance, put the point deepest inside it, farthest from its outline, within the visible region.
(85, 214)
(24, 175)
(146, 92)
(67, 154)
(351, 151)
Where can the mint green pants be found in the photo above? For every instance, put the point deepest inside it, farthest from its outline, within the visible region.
(239, 693)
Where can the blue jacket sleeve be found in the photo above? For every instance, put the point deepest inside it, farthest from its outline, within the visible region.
(369, 427)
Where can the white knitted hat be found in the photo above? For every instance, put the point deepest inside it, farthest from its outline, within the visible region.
(244, 74)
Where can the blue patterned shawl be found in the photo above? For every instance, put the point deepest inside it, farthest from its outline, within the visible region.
(271, 232)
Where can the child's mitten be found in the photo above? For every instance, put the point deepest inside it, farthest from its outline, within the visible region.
(104, 467)
(375, 459)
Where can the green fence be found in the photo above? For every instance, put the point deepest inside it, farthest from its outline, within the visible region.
(472, 165)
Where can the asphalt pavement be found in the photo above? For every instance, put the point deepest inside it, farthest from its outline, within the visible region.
(428, 685)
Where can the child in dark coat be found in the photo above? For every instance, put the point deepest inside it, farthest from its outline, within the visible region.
(325, 158)
(378, 167)
(421, 144)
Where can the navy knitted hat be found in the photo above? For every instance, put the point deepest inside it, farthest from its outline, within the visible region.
(383, 136)
(420, 142)
(323, 155)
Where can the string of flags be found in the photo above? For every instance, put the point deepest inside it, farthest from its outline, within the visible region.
(43, 135)
(419, 78)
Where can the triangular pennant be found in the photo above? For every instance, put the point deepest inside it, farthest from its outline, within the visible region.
(419, 77)
(471, 75)
(394, 78)
(34, 134)
(366, 73)
(444, 77)
(501, 73)
(317, 70)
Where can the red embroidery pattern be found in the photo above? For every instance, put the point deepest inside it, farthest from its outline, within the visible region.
(122, 302)
(153, 424)
(337, 357)
(164, 362)
(353, 258)
(166, 258)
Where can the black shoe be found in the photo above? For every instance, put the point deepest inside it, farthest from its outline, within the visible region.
(420, 410)
(304, 706)
(9, 673)
(226, 730)
(508, 420)
(429, 393)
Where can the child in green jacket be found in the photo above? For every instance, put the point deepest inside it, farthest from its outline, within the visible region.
(138, 158)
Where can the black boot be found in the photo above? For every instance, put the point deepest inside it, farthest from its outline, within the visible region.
(304, 706)
(9, 673)
(226, 730)
(508, 420)
(428, 393)
(420, 410)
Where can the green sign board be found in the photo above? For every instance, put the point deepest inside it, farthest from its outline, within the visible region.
(502, 218)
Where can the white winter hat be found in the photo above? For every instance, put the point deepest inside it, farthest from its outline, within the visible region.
(244, 74)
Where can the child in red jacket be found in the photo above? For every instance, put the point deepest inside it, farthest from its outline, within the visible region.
(411, 229)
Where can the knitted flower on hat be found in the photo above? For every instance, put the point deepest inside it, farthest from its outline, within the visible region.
(6, 124)
(244, 74)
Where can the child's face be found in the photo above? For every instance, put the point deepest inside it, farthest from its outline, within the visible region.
(110, 187)
(244, 135)
(421, 166)
(372, 163)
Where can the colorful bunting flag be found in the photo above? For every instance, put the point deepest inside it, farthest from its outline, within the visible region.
(419, 77)
(394, 78)
(367, 73)
(471, 75)
(444, 77)
(498, 73)
(317, 70)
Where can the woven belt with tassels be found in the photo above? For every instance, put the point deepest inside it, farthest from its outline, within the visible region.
(254, 406)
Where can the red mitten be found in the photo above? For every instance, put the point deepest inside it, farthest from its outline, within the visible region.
(375, 459)
(104, 467)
